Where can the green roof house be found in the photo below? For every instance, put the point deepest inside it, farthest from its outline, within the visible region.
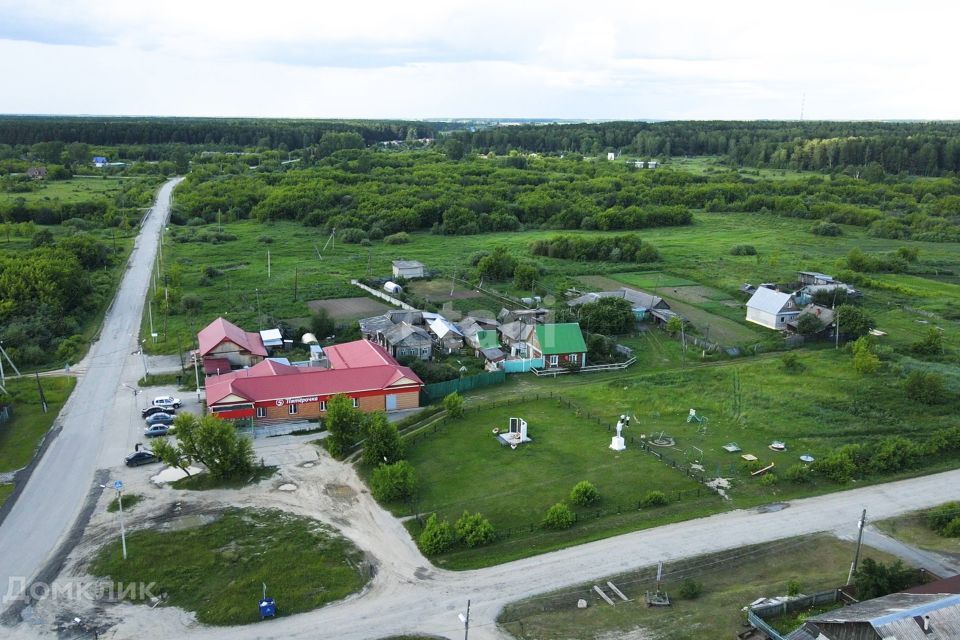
(558, 344)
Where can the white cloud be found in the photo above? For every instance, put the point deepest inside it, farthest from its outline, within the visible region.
(603, 59)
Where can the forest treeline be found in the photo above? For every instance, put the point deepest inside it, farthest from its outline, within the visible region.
(210, 132)
(922, 148)
(375, 193)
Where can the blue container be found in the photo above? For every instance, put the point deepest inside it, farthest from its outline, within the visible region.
(268, 608)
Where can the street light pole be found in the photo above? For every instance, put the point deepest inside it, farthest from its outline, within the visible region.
(465, 619)
(118, 485)
(196, 371)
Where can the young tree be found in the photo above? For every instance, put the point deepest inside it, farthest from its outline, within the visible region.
(584, 493)
(865, 361)
(608, 316)
(930, 345)
(394, 482)
(453, 403)
(437, 536)
(853, 321)
(674, 325)
(559, 516)
(926, 387)
(525, 275)
(382, 444)
(474, 530)
(874, 579)
(344, 424)
(212, 442)
(809, 325)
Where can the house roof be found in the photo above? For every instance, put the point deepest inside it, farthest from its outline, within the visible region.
(902, 615)
(211, 366)
(633, 296)
(408, 264)
(517, 331)
(359, 353)
(271, 337)
(441, 327)
(221, 330)
(358, 366)
(493, 354)
(769, 301)
(556, 339)
(404, 331)
(487, 339)
(947, 585)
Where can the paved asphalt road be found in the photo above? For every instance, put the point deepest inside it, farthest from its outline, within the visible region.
(89, 424)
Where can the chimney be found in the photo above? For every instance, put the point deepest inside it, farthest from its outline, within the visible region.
(926, 624)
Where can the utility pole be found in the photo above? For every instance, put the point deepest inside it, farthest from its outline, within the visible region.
(465, 619)
(118, 485)
(856, 554)
(43, 398)
(196, 371)
(296, 276)
(150, 312)
(259, 322)
(837, 331)
(268, 263)
(143, 356)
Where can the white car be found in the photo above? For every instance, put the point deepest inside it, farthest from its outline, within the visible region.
(167, 401)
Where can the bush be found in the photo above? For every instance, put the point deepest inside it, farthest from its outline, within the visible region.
(769, 479)
(584, 493)
(791, 363)
(865, 361)
(690, 589)
(940, 517)
(826, 229)
(351, 235)
(654, 499)
(437, 536)
(557, 517)
(925, 387)
(453, 403)
(474, 530)
(191, 303)
(793, 588)
(265, 239)
(799, 474)
(394, 482)
(401, 237)
(809, 325)
(743, 250)
(930, 345)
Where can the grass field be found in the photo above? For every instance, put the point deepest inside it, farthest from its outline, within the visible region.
(349, 308)
(72, 190)
(912, 528)
(698, 255)
(513, 488)
(731, 580)
(216, 569)
(20, 436)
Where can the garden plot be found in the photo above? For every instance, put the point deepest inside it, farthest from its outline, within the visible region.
(349, 308)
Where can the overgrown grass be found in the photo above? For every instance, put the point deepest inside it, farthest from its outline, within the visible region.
(129, 502)
(21, 436)
(731, 580)
(216, 570)
(205, 482)
(72, 190)
(913, 529)
(187, 380)
(5, 491)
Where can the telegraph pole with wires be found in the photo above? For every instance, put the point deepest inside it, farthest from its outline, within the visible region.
(856, 553)
(43, 398)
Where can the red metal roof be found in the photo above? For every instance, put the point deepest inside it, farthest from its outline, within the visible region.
(356, 354)
(361, 366)
(221, 330)
(215, 366)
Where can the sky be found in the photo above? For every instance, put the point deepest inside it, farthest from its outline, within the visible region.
(596, 59)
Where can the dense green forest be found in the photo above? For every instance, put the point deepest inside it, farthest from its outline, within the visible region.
(926, 148)
(372, 193)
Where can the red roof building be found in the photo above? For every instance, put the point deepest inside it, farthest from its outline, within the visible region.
(222, 341)
(269, 390)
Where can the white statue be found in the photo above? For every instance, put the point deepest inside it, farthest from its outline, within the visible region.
(617, 443)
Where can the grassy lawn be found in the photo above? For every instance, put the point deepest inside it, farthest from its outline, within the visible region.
(204, 481)
(513, 488)
(129, 502)
(912, 529)
(216, 569)
(72, 190)
(731, 580)
(5, 491)
(21, 436)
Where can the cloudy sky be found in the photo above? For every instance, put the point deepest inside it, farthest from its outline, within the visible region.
(666, 59)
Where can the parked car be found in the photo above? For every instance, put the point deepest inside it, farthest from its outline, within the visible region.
(155, 430)
(142, 456)
(160, 418)
(167, 401)
(149, 411)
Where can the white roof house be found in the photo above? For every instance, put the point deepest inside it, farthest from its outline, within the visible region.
(271, 337)
(771, 309)
(407, 269)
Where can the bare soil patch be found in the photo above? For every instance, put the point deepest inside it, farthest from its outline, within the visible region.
(349, 308)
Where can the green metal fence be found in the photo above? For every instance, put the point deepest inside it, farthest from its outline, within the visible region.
(439, 390)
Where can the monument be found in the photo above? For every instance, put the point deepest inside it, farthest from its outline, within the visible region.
(617, 443)
(516, 435)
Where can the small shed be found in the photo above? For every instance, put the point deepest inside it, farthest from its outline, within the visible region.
(99, 161)
(407, 269)
(271, 338)
(37, 173)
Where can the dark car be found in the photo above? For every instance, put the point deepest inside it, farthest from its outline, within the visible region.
(149, 411)
(143, 456)
(155, 430)
(160, 418)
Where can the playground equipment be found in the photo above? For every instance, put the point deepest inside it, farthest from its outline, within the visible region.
(663, 440)
(732, 447)
(658, 598)
(806, 458)
(693, 417)
(777, 445)
(760, 472)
